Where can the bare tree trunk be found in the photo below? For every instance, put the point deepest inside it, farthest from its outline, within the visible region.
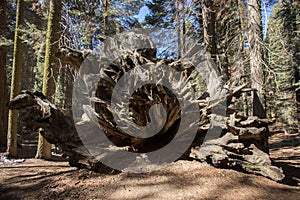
(106, 18)
(178, 29)
(50, 68)
(27, 74)
(256, 56)
(15, 82)
(66, 80)
(209, 25)
(183, 25)
(298, 108)
(241, 56)
(3, 79)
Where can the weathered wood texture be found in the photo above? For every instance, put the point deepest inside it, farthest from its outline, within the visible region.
(243, 143)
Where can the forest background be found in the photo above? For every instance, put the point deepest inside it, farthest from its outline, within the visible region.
(250, 41)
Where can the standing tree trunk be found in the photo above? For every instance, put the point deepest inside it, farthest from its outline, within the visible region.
(15, 82)
(297, 80)
(183, 24)
(52, 37)
(256, 56)
(179, 37)
(27, 74)
(181, 29)
(209, 26)
(3, 79)
(106, 18)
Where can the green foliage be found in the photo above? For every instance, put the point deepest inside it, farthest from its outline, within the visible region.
(280, 56)
(85, 21)
(161, 14)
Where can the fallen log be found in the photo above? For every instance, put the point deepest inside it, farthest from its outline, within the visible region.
(243, 141)
(229, 152)
(232, 150)
(58, 128)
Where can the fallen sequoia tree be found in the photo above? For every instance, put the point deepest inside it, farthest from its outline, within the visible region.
(242, 143)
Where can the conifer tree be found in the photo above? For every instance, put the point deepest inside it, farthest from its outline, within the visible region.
(256, 56)
(282, 40)
(3, 79)
(291, 18)
(52, 37)
(15, 82)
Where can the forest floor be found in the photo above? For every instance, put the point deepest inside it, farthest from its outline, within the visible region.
(38, 179)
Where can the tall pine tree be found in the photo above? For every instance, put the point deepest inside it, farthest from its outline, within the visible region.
(3, 79)
(291, 18)
(50, 65)
(15, 82)
(256, 56)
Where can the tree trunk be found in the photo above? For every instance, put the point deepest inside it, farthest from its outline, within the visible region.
(243, 147)
(106, 18)
(178, 29)
(298, 108)
(50, 68)
(256, 56)
(209, 26)
(3, 79)
(15, 81)
(27, 74)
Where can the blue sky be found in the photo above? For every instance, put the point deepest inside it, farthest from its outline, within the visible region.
(143, 12)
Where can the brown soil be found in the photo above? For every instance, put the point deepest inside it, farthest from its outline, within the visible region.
(38, 179)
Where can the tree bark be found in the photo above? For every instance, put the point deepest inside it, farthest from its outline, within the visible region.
(106, 18)
(209, 26)
(15, 82)
(178, 29)
(50, 68)
(3, 79)
(243, 147)
(256, 56)
(60, 129)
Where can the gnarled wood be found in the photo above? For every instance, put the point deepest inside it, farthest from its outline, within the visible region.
(243, 142)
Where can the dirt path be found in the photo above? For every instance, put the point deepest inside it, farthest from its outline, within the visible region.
(36, 179)
(285, 152)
